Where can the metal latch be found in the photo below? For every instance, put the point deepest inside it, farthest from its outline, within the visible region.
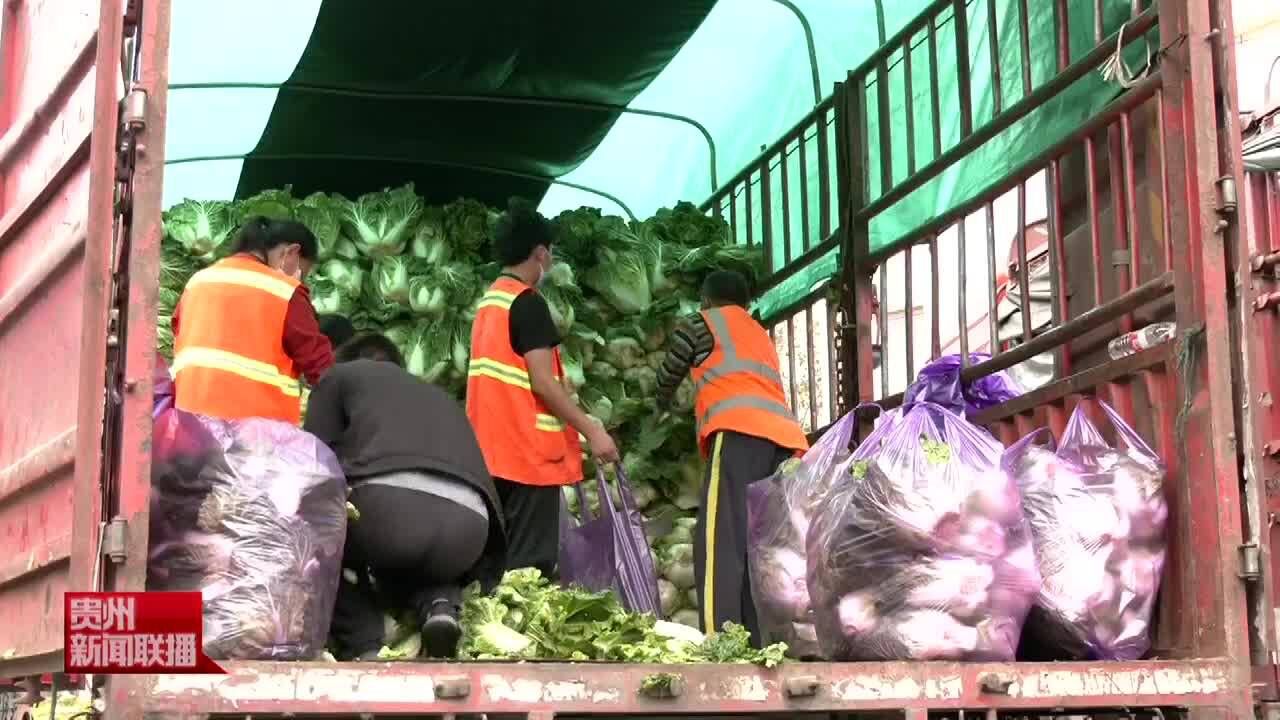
(115, 538)
(802, 686)
(996, 683)
(454, 688)
(1250, 562)
(1227, 198)
(134, 116)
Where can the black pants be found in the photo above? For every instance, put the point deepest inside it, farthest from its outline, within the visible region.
(533, 525)
(720, 537)
(418, 547)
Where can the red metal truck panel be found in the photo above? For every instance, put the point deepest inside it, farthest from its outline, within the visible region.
(52, 311)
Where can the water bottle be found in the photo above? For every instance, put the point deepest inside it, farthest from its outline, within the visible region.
(1140, 340)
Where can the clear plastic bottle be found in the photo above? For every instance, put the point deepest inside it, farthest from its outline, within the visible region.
(1140, 340)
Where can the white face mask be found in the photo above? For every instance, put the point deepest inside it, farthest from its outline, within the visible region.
(542, 274)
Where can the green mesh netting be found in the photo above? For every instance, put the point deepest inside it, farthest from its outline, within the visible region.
(491, 98)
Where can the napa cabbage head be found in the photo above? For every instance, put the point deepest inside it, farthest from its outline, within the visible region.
(203, 229)
(430, 241)
(427, 353)
(621, 277)
(437, 289)
(272, 204)
(322, 214)
(346, 276)
(391, 280)
(380, 223)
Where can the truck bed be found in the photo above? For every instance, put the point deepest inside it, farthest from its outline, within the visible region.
(253, 688)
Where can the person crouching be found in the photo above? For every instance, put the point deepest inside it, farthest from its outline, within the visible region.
(430, 521)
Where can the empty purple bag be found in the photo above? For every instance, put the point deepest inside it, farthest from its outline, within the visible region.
(609, 552)
(939, 383)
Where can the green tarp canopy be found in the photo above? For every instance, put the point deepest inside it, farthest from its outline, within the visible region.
(617, 104)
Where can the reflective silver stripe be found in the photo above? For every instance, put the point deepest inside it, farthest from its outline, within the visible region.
(731, 363)
(746, 401)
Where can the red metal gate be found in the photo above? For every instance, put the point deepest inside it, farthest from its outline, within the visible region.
(58, 112)
(1139, 205)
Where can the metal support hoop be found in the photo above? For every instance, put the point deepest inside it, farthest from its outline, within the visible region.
(441, 163)
(497, 99)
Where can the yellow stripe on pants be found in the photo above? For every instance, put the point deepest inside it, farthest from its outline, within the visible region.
(709, 578)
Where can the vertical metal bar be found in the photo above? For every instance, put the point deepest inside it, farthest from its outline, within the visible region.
(1024, 43)
(791, 362)
(766, 216)
(811, 367)
(909, 106)
(833, 355)
(886, 130)
(856, 359)
(100, 231)
(992, 319)
(1062, 16)
(961, 19)
(733, 214)
(993, 39)
(806, 237)
(1024, 282)
(1130, 201)
(1057, 260)
(909, 318)
(750, 213)
(962, 296)
(935, 302)
(785, 189)
(824, 179)
(1095, 221)
(935, 94)
(1161, 146)
(1097, 22)
(882, 322)
(1116, 171)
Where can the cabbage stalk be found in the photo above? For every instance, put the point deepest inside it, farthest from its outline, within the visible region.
(391, 280)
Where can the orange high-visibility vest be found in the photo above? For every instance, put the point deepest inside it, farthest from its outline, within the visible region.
(228, 357)
(520, 438)
(739, 387)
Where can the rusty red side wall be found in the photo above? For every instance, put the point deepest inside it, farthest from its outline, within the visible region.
(57, 123)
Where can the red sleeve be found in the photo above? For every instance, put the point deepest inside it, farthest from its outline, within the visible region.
(303, 341)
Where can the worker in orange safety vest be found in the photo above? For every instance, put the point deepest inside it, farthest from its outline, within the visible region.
(524, 417)
(245, 331)
(745, 431)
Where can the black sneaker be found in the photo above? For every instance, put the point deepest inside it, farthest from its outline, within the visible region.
(441, 632)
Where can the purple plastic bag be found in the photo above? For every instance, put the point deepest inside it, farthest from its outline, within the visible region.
(162, 388)
(609, 552)
(1098, 517)
(251, 513)
(779, 511)
(920, 551)
(939, 383)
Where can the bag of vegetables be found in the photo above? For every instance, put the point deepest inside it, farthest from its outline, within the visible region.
(609, 551)
(252, 514)
(779, 510)
(920, 551)
(1097, 516)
